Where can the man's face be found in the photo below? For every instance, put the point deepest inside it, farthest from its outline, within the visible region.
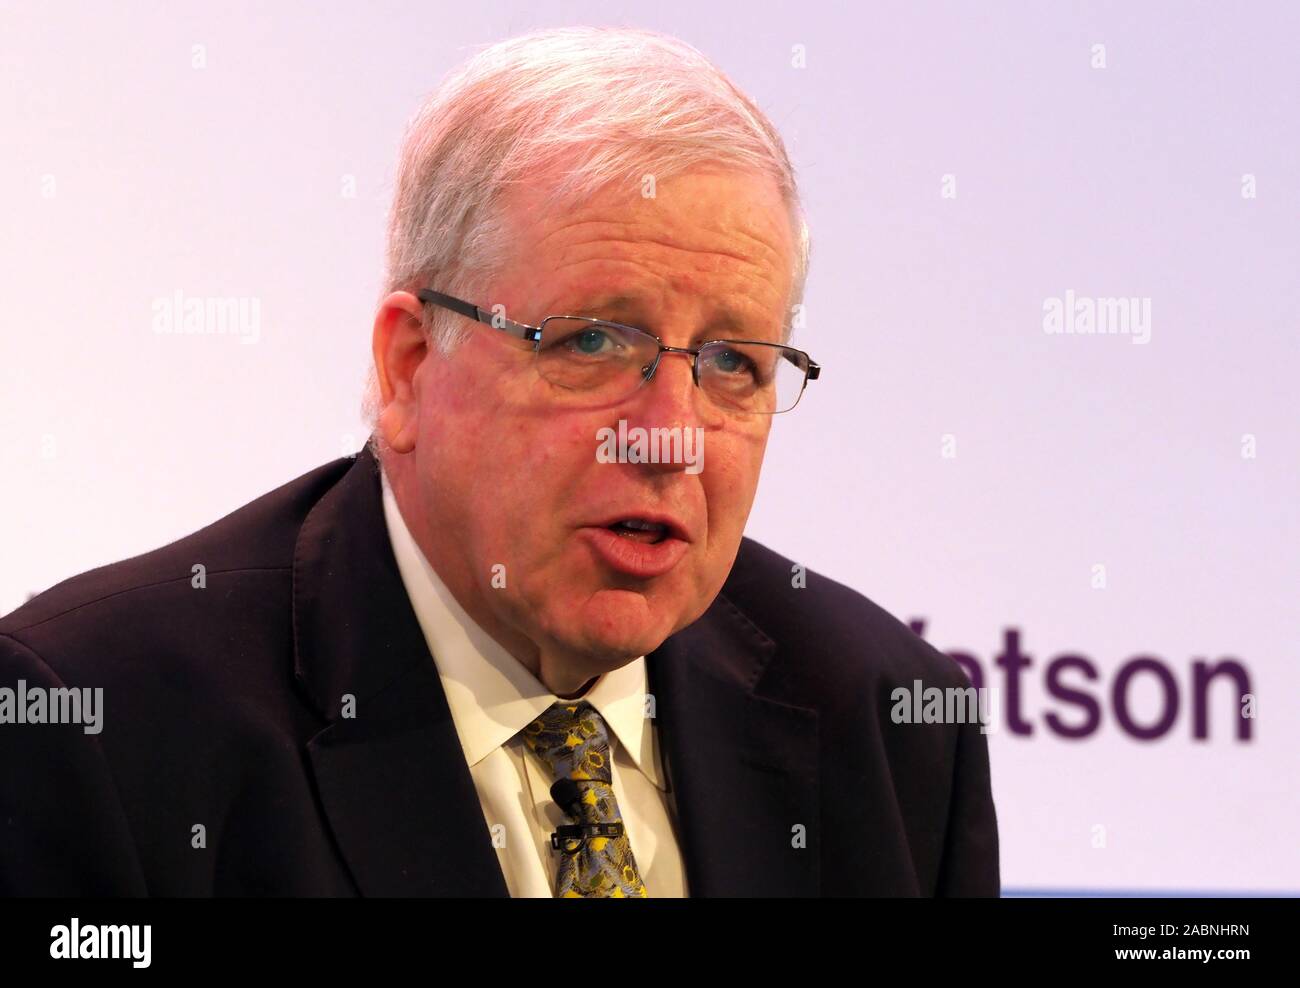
(503, 479)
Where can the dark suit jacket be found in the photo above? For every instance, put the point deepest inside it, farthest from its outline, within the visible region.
(222, 708)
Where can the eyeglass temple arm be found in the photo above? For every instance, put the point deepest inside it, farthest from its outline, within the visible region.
(814, 369)
(524, 332)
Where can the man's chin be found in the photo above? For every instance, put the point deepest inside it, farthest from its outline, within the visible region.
(618, 626)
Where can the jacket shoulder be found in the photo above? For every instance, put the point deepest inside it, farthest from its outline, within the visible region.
(841, 637)
(256, 538)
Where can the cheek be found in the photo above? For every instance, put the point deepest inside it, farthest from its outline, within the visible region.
(549, 455)
(731, 477)
(530, 471)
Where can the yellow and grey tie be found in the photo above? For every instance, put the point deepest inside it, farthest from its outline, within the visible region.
(571, 740)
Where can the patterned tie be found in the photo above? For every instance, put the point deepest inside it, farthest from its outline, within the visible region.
(571, 740)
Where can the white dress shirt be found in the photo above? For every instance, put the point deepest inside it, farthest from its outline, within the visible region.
(492, 697)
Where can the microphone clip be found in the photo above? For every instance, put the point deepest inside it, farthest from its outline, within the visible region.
(572, 838)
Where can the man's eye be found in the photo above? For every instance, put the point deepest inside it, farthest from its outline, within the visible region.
(732, 362)
(588, 341)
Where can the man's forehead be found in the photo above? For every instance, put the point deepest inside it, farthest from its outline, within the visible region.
(722, 206)
(630, 259)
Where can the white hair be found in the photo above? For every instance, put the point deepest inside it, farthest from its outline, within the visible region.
(583, 106)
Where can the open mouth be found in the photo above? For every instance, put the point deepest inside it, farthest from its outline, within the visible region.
(637, 546)
(648, 532)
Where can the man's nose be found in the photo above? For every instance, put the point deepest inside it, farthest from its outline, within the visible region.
(670, 398)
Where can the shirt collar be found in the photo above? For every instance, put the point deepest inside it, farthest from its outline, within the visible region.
(490, 693)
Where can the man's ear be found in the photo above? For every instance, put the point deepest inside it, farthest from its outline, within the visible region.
(399, 348)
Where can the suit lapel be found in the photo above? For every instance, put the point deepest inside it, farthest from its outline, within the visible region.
(392, 777)
(743, 767)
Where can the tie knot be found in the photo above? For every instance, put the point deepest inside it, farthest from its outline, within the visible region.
(571, 740)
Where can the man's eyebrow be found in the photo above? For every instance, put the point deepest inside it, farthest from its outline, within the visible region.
(631, 310)
(606, 305)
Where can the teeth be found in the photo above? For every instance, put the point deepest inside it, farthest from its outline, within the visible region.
(641, 526)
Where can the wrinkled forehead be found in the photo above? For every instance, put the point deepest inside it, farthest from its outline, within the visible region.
(707, 232)
(735, 203)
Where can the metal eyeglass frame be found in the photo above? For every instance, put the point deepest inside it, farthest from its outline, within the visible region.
(533, 335)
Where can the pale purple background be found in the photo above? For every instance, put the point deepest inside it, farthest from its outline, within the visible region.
(925, 312)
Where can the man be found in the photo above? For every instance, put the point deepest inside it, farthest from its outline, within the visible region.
(507, 648)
